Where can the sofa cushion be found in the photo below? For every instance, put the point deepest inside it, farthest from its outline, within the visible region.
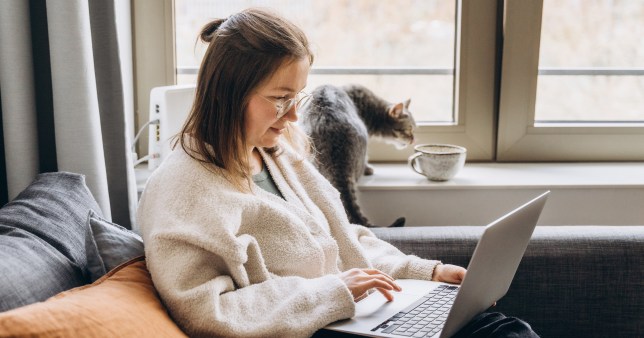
(123, 303)
(108, 245)
(42, 236)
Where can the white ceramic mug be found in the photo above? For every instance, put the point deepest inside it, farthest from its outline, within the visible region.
(438, 162)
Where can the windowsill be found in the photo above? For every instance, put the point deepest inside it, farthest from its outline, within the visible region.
(496, 175)
(582, 193)
(511, 176)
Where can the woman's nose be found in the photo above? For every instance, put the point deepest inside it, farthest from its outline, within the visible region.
(291, 114)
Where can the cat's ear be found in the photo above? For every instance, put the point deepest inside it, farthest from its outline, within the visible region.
(396, 110)
(407, 103)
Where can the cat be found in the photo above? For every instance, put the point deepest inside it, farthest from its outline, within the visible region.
(339, 121)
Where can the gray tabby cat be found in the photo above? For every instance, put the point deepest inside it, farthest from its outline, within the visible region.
(339, 122)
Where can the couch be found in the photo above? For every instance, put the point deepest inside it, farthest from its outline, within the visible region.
(66, 271)
(573, 281)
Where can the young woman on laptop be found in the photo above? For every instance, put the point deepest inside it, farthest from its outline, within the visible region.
(243, 236)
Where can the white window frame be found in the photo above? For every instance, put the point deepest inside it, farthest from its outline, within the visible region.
(154, 59)
(474, 90)
(473, 86)
(519, 137)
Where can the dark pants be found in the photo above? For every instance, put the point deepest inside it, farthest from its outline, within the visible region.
(487, 324)
(495, 324)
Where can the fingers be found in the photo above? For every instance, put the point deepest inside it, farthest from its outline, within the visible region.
(379, 285)
(373, 274)
(383, 277)
(359, 281)
(387, 294)
(449, 273)
(362, 286)
(461, 272)
(387, 278)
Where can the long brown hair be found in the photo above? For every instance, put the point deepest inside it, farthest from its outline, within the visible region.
(244, 50)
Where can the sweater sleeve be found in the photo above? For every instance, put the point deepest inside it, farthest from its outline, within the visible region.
(201, 293)
(387, 258)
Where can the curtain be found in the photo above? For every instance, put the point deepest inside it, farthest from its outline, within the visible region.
(62, 100)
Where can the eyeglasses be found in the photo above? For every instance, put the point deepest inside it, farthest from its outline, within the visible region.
(283, 106)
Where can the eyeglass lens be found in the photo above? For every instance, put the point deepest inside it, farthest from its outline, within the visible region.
(288, 104)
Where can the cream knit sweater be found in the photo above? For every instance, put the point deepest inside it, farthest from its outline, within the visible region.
(228, 263)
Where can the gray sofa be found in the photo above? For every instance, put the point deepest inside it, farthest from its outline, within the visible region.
(573, 281)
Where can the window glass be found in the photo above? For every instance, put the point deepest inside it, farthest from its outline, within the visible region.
(591, 62)
(400, 49)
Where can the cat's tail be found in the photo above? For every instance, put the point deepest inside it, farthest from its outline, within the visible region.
(400, 222)
(350, 202)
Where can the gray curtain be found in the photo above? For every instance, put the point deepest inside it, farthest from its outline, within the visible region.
(61, 94)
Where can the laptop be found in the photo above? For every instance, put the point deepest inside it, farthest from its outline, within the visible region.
(433, 309)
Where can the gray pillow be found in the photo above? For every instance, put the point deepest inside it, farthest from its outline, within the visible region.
(109, 245)
(42, 239)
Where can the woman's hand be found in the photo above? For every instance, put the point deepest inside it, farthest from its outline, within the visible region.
(359, 281)
(448, 273)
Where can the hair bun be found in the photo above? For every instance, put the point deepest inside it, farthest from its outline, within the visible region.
(208, 31)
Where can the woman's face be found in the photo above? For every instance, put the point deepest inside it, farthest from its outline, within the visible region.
(263, 129)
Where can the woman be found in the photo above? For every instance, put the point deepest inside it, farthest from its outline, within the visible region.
(243, 236)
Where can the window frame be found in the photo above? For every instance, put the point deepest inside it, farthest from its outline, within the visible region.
(474, 90)
(484, 83)
(154, 59)
(474, 77)
(519, 137)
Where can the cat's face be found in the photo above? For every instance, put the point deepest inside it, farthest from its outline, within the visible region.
(403, 125)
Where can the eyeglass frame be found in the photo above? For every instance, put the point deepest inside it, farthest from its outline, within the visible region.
(285, 105)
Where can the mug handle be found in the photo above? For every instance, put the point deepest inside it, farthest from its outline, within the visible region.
(412, 162)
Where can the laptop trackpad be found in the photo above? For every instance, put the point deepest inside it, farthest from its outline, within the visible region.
(373, 310)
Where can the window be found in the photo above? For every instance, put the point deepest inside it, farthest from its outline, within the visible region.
(413, 47)
(572, 85)
(588, 66)
(541, 80)
(399, 49)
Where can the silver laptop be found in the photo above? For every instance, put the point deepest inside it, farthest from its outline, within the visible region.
(432, 309)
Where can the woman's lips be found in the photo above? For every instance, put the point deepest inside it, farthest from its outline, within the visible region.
(278, 130)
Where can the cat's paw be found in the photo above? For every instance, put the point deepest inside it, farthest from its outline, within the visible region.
(368, 170)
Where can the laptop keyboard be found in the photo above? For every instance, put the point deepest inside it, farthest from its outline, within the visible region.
(425, 317)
